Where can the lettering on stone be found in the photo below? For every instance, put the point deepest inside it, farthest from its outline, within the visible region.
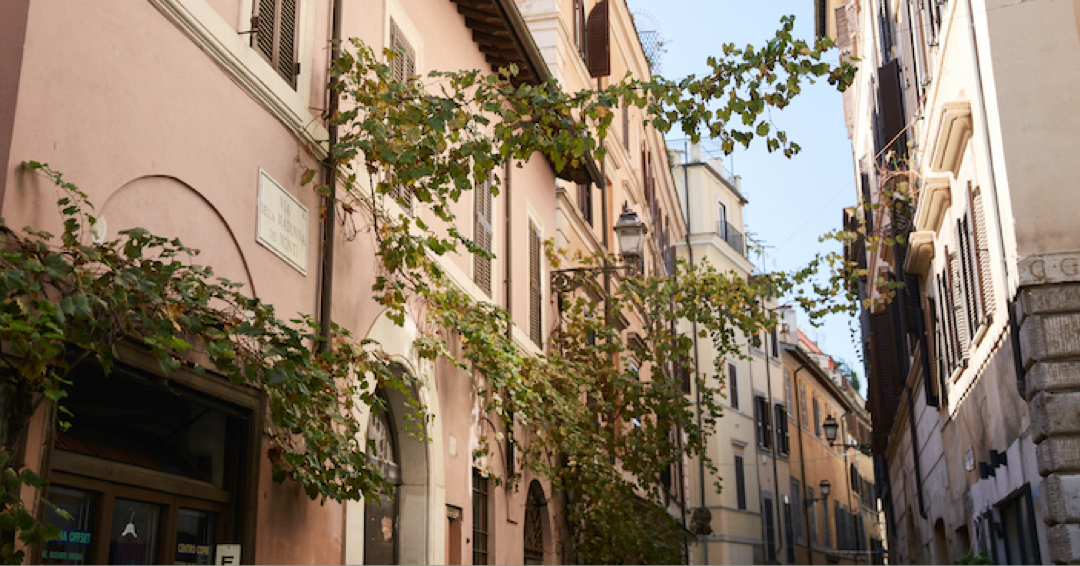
(283, 223)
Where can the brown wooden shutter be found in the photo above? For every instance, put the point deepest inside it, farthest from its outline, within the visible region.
(598, 46)
(885, 380)
(535, 288)
(275, 36)
(891, 109)
(626, 127)
(482, 236)
(982, 251)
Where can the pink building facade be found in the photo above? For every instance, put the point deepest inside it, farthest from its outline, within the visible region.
(188, 118)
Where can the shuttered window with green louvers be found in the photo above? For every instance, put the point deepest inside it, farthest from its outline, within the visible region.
(535, 289)
(482, 236)
(274, 37)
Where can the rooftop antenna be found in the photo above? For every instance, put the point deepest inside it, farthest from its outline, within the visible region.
(648, 29)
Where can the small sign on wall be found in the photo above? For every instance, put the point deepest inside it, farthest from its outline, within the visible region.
(227, 554)
(283, 223)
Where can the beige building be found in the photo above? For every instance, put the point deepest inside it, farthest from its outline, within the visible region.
(970, 366)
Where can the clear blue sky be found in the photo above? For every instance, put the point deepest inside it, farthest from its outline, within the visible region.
(792, 201)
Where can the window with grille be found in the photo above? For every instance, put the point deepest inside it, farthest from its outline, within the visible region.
(480, 513)
(274, 24)
(762, 418)
(740, 482)
(535, 288)
(770, 529)
(482, 235)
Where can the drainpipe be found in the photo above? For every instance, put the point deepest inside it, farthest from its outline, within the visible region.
(802, 464)
(508, 254)
(697, 354)
(326, 288)
(775, 473)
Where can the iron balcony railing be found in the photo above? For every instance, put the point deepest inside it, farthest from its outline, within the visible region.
(733, 237)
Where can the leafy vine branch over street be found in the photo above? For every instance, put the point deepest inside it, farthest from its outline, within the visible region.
(599, 415)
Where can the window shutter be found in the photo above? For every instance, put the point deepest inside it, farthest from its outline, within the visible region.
(982, 252)
(740, 483)
(891, 110)
(535, 307)
(598, 46)
(404, 65)
(626, 127)
(956, 291)
(275, 36)
(482, 236)
(733, 385)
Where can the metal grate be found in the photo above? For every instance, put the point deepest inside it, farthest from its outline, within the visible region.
(480, 512)
(535, 288)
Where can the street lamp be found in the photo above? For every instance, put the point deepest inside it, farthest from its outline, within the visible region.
(831, 427)
(825, 487)
(630, 232)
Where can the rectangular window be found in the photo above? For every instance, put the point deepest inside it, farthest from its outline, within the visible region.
(584, 202)
(480, 510)
(817, 418)
(770, 529)
(812, 514)
(626, 127)
(535, 287)
(802, 405)
(797, 511)
(789, 531)
(762, 418)
(825, 535)
(1018, 527)
(482, 236)
(774, 341)
(722, 222)
(740, 482)
(981, 250)
(274, 24)
(404, 64)
(733, 385)
(781, 429)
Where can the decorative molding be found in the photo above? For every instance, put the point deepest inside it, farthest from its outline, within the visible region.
(920, 252)
(224, 46)
(935, 197)
(1046, 269)
(954, 131)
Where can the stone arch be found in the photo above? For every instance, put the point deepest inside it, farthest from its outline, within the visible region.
(420, 523)
(179, 211)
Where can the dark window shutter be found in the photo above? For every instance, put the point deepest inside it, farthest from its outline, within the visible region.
(535, 289)
(585, 202)
(885, 379)
(740, 483)
(598, 42)
(275, 35)
(733, 386)
(891, 108)
(482, 236)
(626, 127)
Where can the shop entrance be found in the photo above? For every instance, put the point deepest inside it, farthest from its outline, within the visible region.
(151, 471)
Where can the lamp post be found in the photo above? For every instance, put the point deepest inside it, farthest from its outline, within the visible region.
(630, 232)
(832, 427)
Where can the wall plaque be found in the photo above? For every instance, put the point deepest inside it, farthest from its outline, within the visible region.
(283, 223)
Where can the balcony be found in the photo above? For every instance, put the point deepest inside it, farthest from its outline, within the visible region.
(733, 237)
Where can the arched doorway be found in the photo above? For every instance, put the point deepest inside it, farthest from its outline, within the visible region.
(534, 524)
(381, 515)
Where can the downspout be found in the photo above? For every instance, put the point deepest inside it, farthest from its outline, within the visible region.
(775, 473)
(802, 465)
(326, 281)
(697, 354)
(507, 168)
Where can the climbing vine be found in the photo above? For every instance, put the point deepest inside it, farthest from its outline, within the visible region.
(600, 413)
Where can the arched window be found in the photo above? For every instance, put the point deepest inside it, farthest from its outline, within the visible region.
(534, 524)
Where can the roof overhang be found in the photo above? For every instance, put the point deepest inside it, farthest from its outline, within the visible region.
(504, 38)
